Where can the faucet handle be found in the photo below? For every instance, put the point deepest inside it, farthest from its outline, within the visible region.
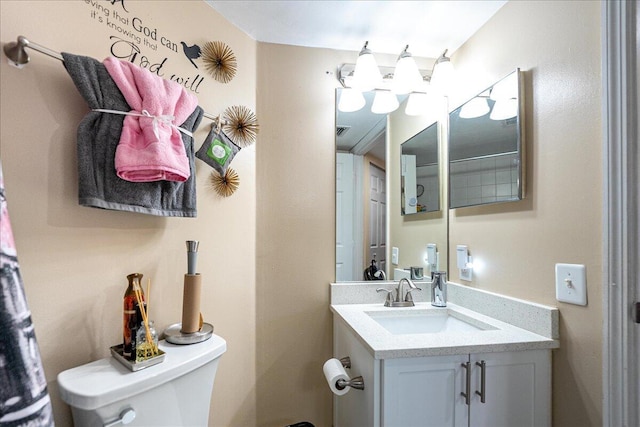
(408, 296)
(389, 299)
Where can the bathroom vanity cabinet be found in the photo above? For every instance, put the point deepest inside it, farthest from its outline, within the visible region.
(427, 391)
(483, 360)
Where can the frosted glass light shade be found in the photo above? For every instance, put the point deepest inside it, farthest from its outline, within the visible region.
(406, 76)
(442, 76)
(477, 107)
(417, 104)
(506, 88)
(351, 100)
(366, 75)
(504, 109)
(384, 102)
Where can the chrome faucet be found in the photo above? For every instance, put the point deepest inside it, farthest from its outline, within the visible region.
(397, 297)
(380, 274)
(439, 288)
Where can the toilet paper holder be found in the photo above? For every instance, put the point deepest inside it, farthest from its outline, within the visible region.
(346, 362)
(356, 382)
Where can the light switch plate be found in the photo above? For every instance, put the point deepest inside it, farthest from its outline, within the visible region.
(395, 254)
(571, 283)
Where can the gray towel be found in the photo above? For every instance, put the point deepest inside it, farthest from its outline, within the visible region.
(98, 136)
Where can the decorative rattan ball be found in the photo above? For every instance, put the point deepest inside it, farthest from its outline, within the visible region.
(220, 61)
(241, 125)
(225, 185)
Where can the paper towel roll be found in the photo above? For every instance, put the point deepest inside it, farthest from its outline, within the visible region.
(334, 371)
(191, 304)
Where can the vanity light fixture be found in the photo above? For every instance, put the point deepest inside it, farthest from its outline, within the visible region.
(477, 107)
(442, 74)
(366, 75)
(384, 102)
(505, 95)
(351, 100)
(406, 77)
(504, 109)
(506, 88)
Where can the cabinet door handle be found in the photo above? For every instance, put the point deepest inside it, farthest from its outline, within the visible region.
(483, 368)
(467, 395)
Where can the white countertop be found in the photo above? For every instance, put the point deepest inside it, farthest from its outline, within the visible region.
(383, 345)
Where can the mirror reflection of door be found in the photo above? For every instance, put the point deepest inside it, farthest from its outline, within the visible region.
(360, 191)
(348, 219)
(377, 217)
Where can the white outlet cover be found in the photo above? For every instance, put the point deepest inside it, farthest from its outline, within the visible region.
(571, 283)
(395, 254)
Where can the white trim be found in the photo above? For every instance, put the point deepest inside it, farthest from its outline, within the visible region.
(358, 215)
(620, 213)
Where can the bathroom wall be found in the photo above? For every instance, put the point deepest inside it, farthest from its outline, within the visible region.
(516, 245)
(295, 257)
(74, 259)
(557, 45)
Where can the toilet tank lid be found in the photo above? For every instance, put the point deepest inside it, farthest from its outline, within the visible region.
(105, 381)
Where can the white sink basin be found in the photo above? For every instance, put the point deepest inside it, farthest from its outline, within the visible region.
(424, 322)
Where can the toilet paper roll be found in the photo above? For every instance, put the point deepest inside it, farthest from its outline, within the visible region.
(191, 304)
(334, 371)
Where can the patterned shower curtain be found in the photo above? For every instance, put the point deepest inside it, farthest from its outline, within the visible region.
(24, 399)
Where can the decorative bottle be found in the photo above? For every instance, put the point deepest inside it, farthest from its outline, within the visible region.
(145, 349)
(131, 317)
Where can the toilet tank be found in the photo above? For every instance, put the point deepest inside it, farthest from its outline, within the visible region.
(176, 392)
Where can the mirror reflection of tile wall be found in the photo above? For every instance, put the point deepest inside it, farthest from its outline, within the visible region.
(427, 179)
(484, 180)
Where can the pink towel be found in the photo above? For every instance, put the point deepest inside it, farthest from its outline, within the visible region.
(151, 147)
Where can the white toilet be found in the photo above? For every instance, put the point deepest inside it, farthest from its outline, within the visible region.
(176, 392)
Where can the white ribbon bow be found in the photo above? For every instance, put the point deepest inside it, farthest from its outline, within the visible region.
(165, 119)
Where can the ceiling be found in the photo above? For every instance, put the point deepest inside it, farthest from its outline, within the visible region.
(428, 27)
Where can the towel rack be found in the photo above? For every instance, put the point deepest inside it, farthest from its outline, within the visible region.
(18, 57)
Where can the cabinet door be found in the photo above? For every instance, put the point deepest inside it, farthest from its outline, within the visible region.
(517, 389)
(425, 391)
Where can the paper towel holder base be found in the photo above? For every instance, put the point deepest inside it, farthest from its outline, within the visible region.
(174, 335)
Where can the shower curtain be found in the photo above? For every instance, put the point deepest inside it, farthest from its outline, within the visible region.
(24, 399)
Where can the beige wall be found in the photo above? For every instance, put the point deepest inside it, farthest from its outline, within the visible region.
(74, 259)
(560, 221)
(296, 231)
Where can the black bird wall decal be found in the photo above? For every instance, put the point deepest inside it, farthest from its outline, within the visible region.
(191, 52)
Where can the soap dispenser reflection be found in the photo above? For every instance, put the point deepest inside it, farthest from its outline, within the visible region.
(439, 288)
